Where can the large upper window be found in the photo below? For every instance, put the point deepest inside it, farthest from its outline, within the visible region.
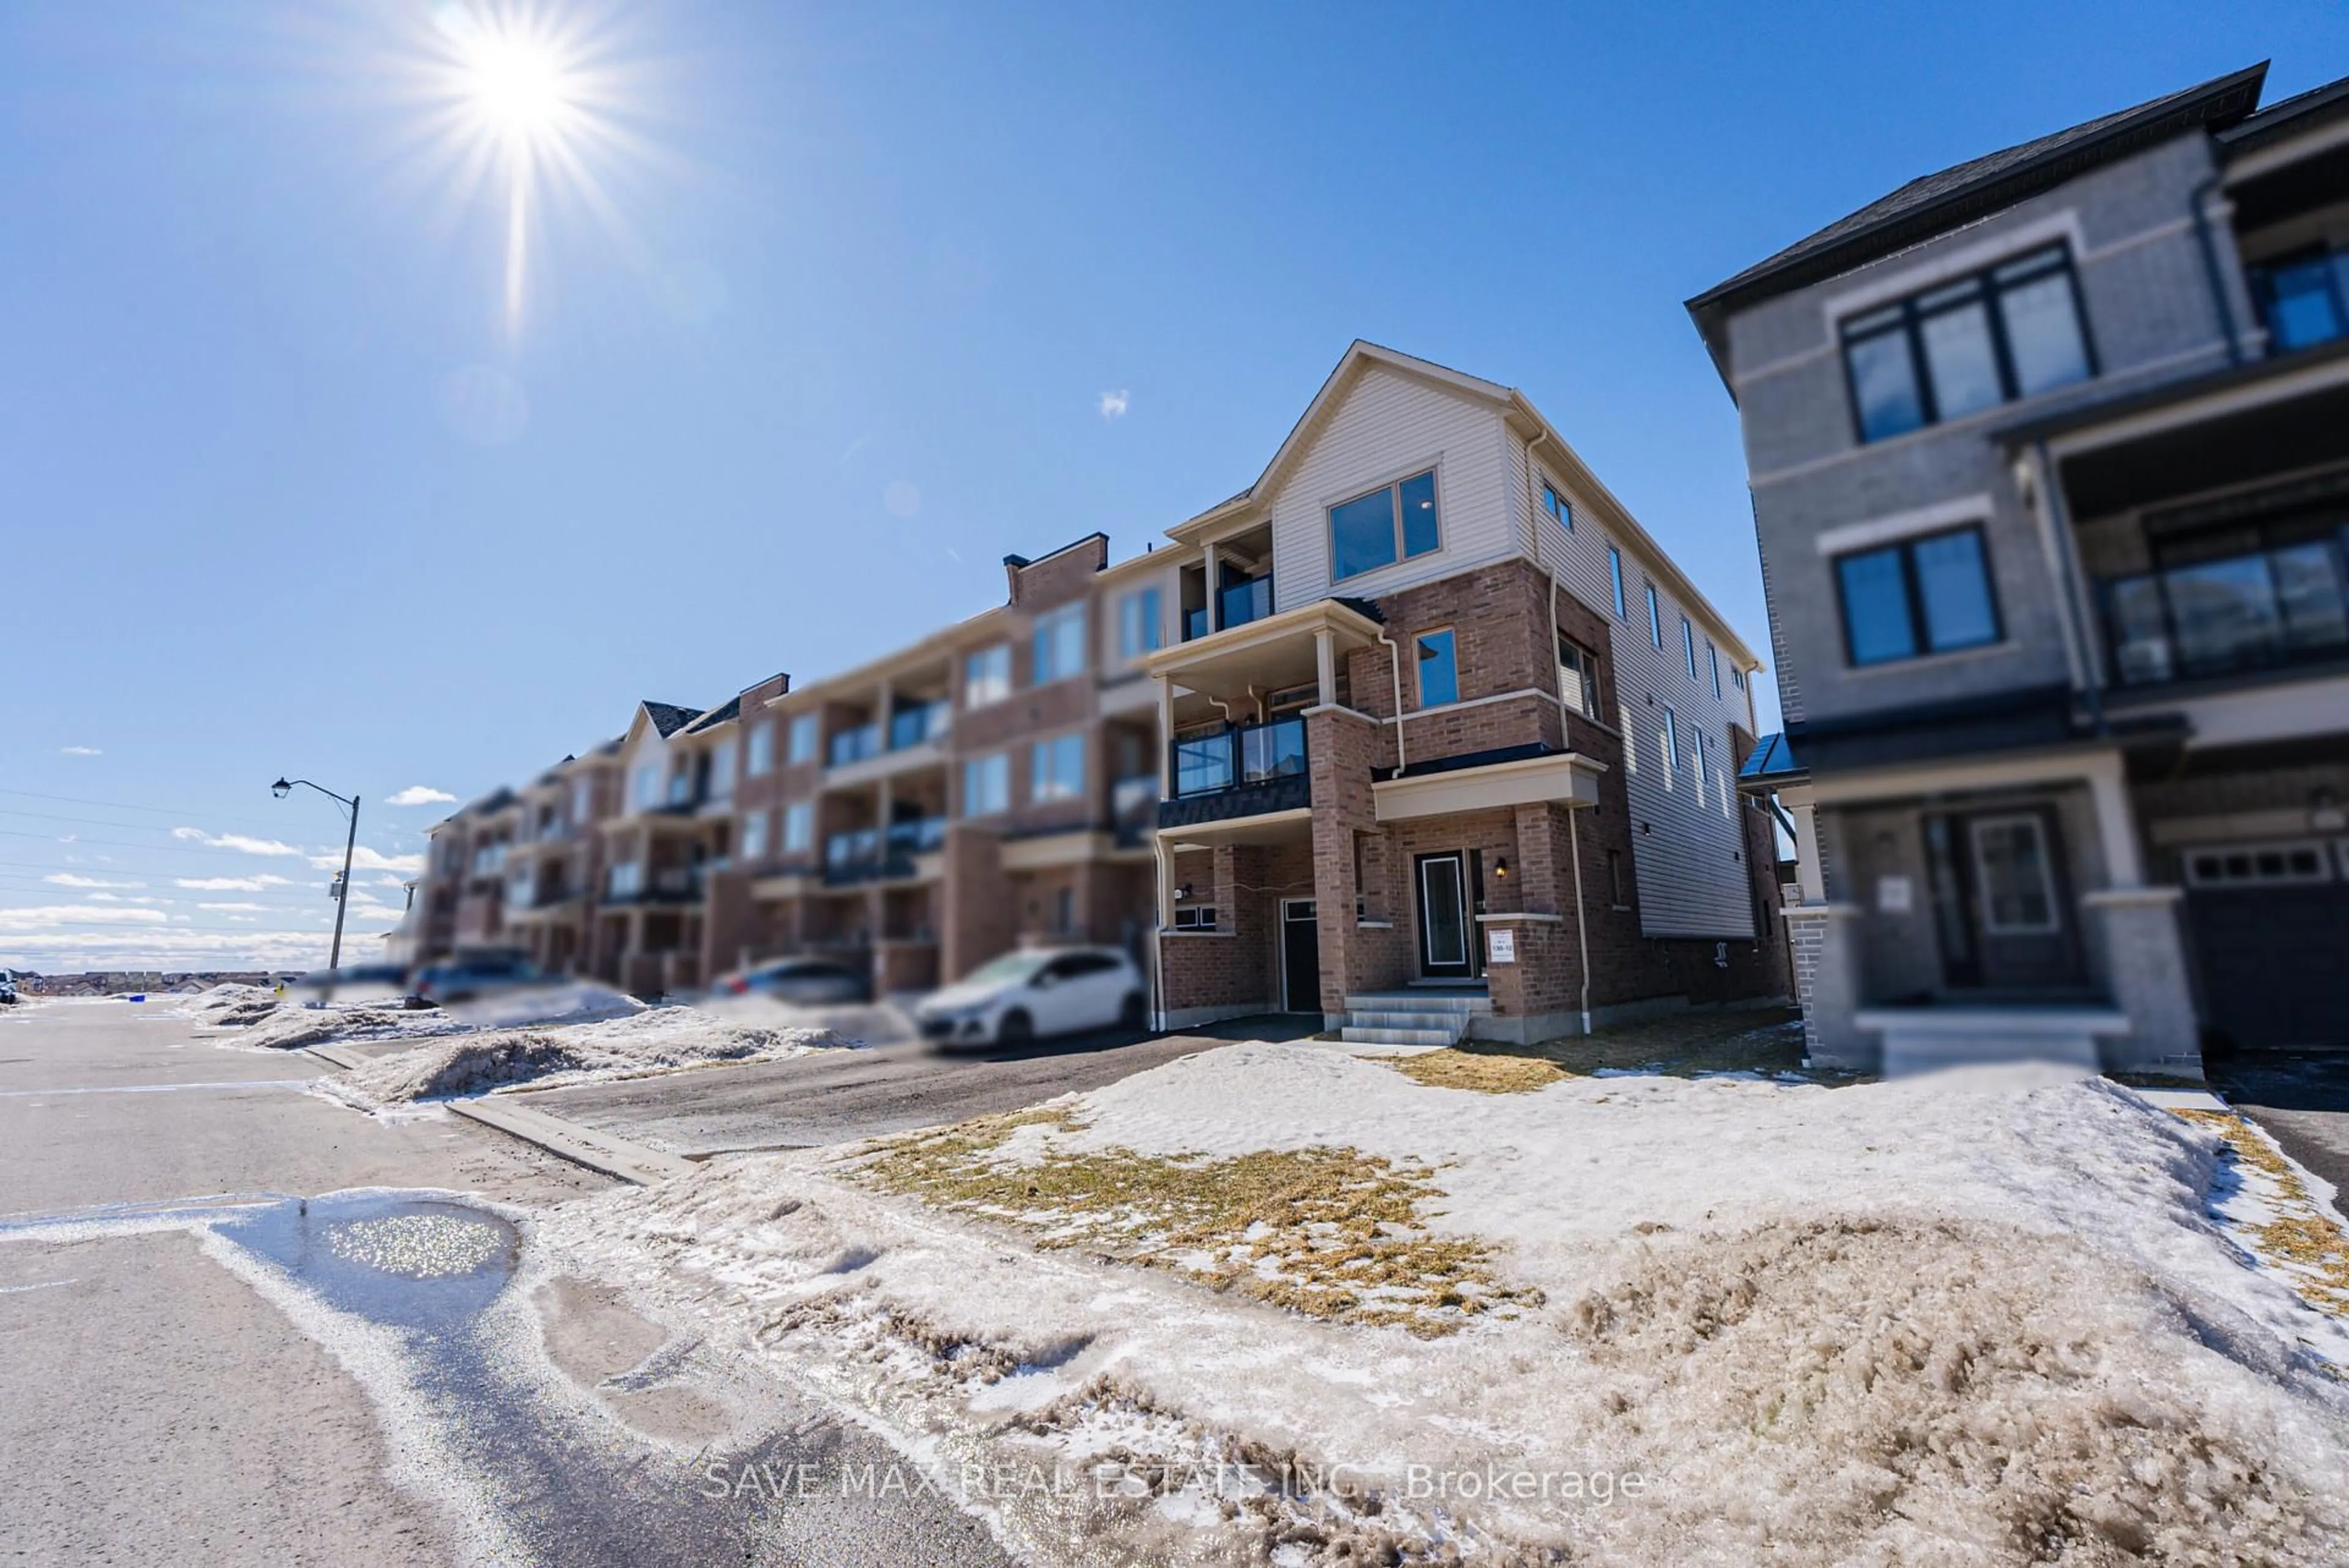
(1927, 596)
(2304, 298)
(1060, 644)
(759, 757)
(1139, 628)
(1383, 527)
(801, 742)
(722, 771)
(1056, 768)
(646, 790)
(986, 675)
(1439, 668)
(2011, 331)
(799, 827)
(754, 837)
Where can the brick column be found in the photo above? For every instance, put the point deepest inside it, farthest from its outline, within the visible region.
(1825, 938)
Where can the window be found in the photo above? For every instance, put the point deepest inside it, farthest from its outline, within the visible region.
(2011, 331)
(2011, 873)
(1617, 893)
(799, 827)
(1139, 629)
(986, 675)
(987, 784)
(1671, 741)
(754, 836)
(1060, 644)
(1702, 775)
(1928, 595)
(2258, 865)
(1557, 506)
(722, 771)
(1383, 527)
(648, 789)
(801, 745)
(1688, 646)
(1737, 677)
(1439, 670)
(760, 757)
(1194, 917)
(2304, 298)
(1713, 664)
(1615, 580)
(1056, 768)
(625, 879)
(582, 799)
(1578, 677)
(1655, 619)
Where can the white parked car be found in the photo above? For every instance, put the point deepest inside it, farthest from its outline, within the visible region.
(1040, 991)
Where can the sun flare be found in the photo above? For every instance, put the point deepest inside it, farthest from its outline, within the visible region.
(516, 83)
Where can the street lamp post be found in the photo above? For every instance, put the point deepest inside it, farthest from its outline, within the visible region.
(284, 787)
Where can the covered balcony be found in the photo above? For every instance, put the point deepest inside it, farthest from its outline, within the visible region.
(1234, 704)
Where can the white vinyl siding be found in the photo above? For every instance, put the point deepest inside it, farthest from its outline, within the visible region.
(1387, 427)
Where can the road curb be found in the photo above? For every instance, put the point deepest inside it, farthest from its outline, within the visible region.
(336, 1057)
(580, 1145)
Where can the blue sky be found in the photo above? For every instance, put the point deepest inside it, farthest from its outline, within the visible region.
(289, 488)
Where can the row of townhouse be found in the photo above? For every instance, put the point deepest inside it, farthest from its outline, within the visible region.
(2049, 455)
(1421, 732)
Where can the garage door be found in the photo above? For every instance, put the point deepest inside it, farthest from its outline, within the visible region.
(2270, 932)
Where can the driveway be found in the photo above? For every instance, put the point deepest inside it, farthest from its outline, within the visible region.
(2302, 1098)
(839, 1096)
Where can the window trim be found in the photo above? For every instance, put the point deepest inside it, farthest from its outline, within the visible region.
(1419, 666)
(809, 723)
(967, 811)
(1991, 297)
(1037, 750)
(1053, 618)
(1913, 596)
(1555, 502)
(1655, 614)
(1432, 473)
(1671, 742)
(803, 811)
(970, 699)
(1615, 577)
(1151, 621)
(1688, 646)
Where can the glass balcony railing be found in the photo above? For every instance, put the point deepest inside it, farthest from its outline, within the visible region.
(854, 745)
(1243, 755)
(1246, 601)
(912, 725)
(1134, 807)
(2276, 606)
(869, 854)
(1195, 624)
(917, 835)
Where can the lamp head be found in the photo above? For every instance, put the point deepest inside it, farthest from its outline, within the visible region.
(282, 789)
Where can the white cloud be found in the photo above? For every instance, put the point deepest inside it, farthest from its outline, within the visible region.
(1113, 404)
(238, 908)
(79, 751)
(231, 884)
(45, 917)
(73, 879)
(389, 882)
(156, 948)
(240, 842)
(363, 859)
(419, 794)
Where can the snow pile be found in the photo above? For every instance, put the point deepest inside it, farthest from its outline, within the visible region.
(1980, 1317)
(230, 1006)
(480, 1061)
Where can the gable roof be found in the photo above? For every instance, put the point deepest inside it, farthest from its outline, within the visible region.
(1934, 203)
(1359, 356)
(725, 712)
(668, 717)
(2287, 116)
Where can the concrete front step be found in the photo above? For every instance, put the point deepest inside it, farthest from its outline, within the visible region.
(1413, 1018)
(1416, 1001)
(1380, 1036)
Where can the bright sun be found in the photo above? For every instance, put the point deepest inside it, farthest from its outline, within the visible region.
(517, 84)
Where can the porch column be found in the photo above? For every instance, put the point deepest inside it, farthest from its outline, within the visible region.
(1166, 737)
(1214, 598)
(1325, 659)
(1808, 872)
(2145, 965)
(2116, 823)
(1825, 938)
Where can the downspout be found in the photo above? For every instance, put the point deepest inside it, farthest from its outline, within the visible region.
(1581, 931)
(1394, 667)
(2211, 269)
(1158, 932)
(2059, 517)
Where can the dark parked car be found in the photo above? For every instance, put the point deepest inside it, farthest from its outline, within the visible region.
(803, 982)
(351, 982)
(465, 979)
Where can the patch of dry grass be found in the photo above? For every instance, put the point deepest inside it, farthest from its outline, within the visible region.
(1329, 1233)
(2310, 1242)
(1483, 1071)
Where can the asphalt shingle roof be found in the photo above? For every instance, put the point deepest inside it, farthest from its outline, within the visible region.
(669, 718)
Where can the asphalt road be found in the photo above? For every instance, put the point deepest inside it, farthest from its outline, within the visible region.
(193, 1369)
(2303, 1099)
(837, 1097)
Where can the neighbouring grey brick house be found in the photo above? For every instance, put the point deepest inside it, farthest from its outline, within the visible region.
(2049, 456)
